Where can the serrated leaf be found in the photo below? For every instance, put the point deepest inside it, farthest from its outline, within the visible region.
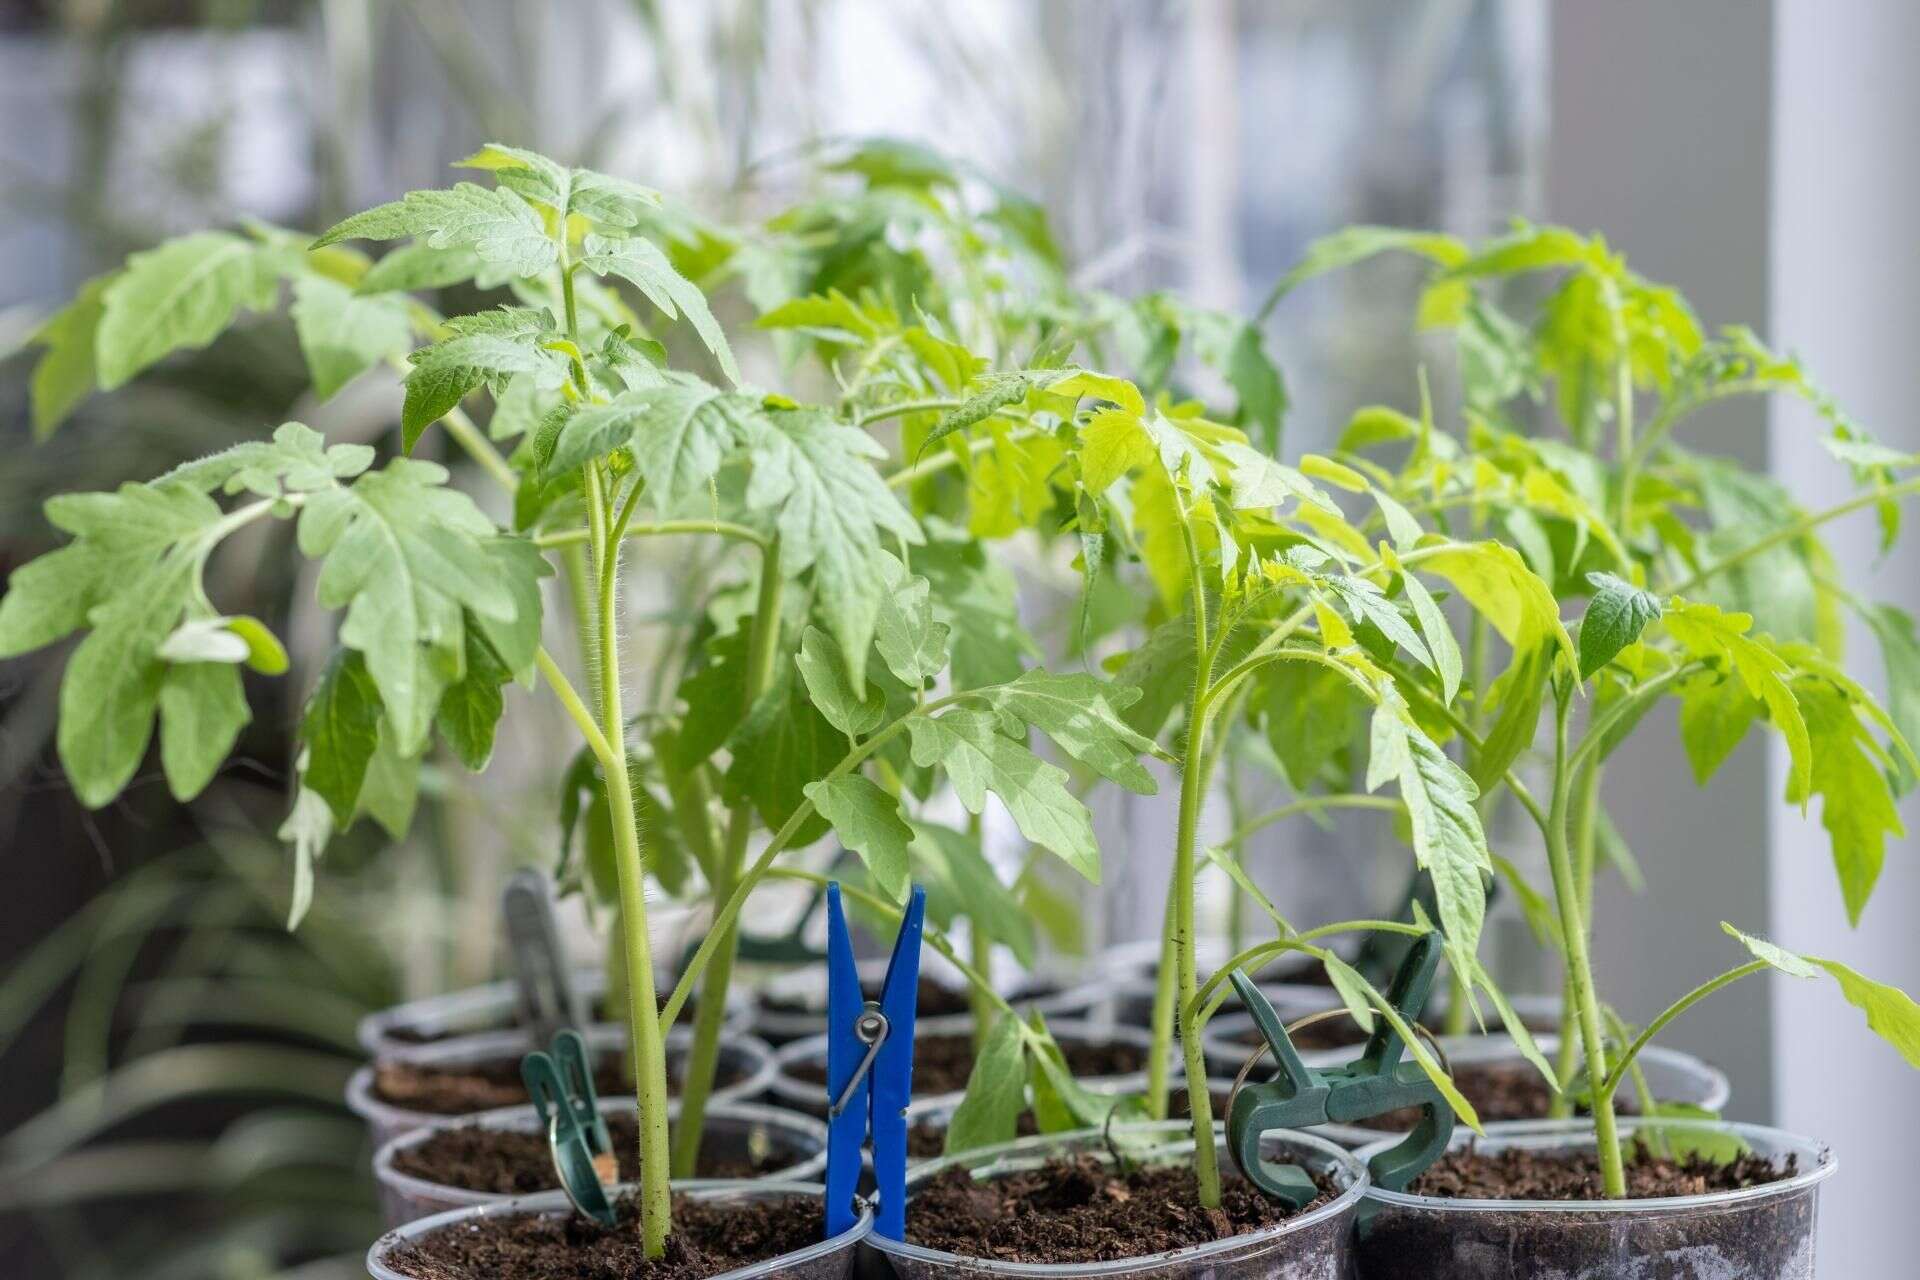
(781, 746)
(470, 709)
(961, 882)
(1444, 649)
(421, 266)
(445, 373)
(498, 225)
(391, 790)
(977, 759)
(296, 460)
(990, 393)
(1356, 244)
(1715, 713)
(308, 827)
(342, 334)
(1857, 806)
(407, 558)
(65, 374)
(824, 669)
(202, 710)
(989, 1112)
(911, 643)
(641, 262)
(1352, 989)
(340, 730)
(1617, 614)
(1704, 631)
(180, 295)
(1891, 1013)
(868, 822)
(1082, 715)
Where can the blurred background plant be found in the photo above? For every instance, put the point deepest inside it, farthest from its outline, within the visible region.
(165, 1116)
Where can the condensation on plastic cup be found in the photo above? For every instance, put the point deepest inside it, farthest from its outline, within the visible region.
(791, 1089)
(490, 1008)
(744, 1128)
(1756, 1233)
(1312, 1246)
(831, 1259)
(750, 1059)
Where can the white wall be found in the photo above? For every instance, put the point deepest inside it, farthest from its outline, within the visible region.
(1846, 295)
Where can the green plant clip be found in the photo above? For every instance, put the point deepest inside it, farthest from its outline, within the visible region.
(1377, 1082)
(561, 1086)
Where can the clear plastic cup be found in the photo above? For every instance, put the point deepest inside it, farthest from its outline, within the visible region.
(795, 1144)
(746, 1058)
(831, 1259)
(1230, 1034)
(1672, 1076)
(791, 1089)
(937, 1113)
(1313, 1246)
(1761, 1233)
(793, 1005)
(492, 1007)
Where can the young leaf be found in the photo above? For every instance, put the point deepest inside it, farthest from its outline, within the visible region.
(1082, 716)
(1356, 244)
(340, 730)
(911, 643)
(989, 1112)
(202, 710)
(1437, 634)
(308, 827)
(470, 709)
(421, 266)
(1706, 632)
(342, 333)
(1857, 806)
(978, 759)
(445, 373)
(868, 822)
(297, 460)
(1891, 1013)
(1352, 988)
(1617, 615)
(961, 882)
(680, 433)
(65, 374)
(499, 226)
(824, 668)
(639, 261)
(180, 295)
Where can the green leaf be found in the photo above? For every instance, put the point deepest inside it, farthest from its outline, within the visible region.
(1517, 695)
(680, 433)
(1496, 581)
(421, 266)
(781, 746)
(1352, 989)
(1447, 836)
(202, 710)
(989, 1112)
(1355, 244)
(961, 882)
(1082, 716)
(976, 599)
(1857, 807)
(1376, 424)
(181, 295)
(815, 475)
(1899, 653)
(470, 709)
(868, 821)
(1891, 1013)
(391, 789)
(824, 669)
(296, 460)
(1617, 615)
(978, 759)
(1230, 863)
(991, 393)
(1704, 631)
(65, 374)
(308, 827)
(1309, 714)
(340, 729)
(445, 373)
(408, 558)
(498, 225)
(1435, 631)
(641, 262)
(342, 334)
(910, 641)
(1715, 713)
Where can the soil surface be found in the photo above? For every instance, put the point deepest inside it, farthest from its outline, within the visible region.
(517, 1162)
(927, 1139)
(1515, 1174)
(941, 1064)
(469, 1087)
(1498, 1091)
(1081, 1210)
(707, 1239)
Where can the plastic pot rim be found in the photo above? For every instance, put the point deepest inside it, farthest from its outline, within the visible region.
(1580, 1133)
(1346, 1202)
(601, 1038)
(526, 1117)
(374, 1032)
(554, 1202)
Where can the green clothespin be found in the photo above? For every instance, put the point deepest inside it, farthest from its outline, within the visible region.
(561, 1086)
(1377, 1082)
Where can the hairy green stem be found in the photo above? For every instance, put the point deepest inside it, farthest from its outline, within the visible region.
(1797, 529)
(1667, 1015)
(659, 529)
(710, 1011)
(1573, 929)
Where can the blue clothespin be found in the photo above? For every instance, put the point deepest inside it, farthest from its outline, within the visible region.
(870, 1069)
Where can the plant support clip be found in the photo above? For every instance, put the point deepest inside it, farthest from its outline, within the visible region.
(548, 1000)
(1377, 1082)
(561, 1086)
(870, 1069)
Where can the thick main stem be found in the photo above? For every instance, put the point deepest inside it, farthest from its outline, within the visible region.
(1206, 1162)
(649, 1045)
(710, 1010)
(1573, 929)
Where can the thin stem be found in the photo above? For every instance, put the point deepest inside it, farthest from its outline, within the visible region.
(947, 458)
(1667, 1015)
(1623, 414)
(1797, 529)
(1573, 929)
(1309, 804)
(659, 529)
(575, 708)
(649, 1047)
(902, 409)
(711, 1010)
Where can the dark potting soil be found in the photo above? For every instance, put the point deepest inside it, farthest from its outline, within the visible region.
(482, 1086)
(1769, 1238)
(1514, 1174)
(1082, 1210)
(517, 1162)
(707, 1239)
(941, 1064)
(1498, 1091)
(927, 1139)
